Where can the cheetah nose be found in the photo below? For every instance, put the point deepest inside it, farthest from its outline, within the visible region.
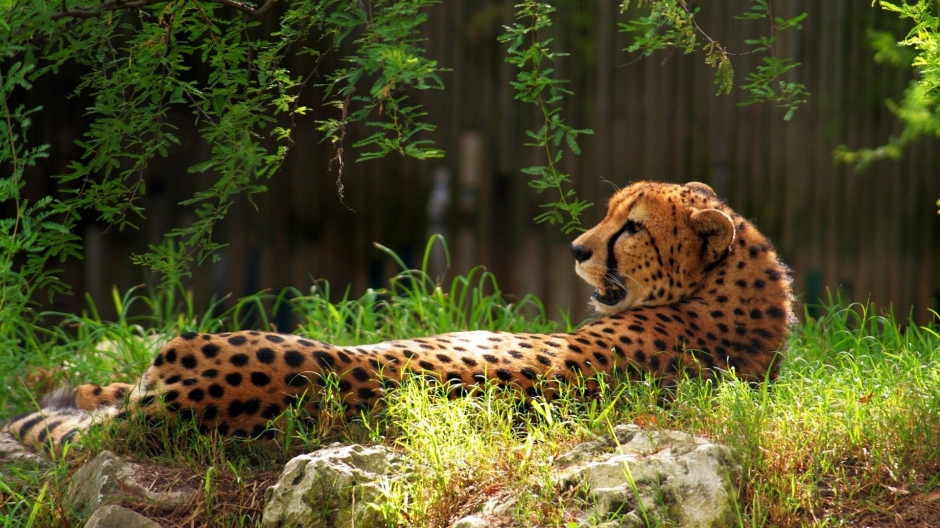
(580, 253)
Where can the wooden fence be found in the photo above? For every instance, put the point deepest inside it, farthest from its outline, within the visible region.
(875, 235)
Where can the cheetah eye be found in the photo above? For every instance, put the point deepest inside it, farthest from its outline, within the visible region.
(632, 227)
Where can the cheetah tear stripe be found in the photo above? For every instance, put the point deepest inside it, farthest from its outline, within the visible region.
(683, 284)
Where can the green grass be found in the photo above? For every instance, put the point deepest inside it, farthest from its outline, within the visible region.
(849, 434)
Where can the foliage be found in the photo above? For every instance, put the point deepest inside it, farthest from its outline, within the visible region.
(535, 85)
(919, 109)
(137, 67)
(672, 24)
(153, 74)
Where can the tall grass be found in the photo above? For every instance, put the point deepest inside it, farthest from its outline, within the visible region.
(848, 434)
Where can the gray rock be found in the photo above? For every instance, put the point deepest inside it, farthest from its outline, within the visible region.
(471, 521)
(656, 476)
(333, 487)
(112, 516)
(108, 477)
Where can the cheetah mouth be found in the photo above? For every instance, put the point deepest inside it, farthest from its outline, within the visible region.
(610, 296)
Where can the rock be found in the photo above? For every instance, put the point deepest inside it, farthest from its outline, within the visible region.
(112, 516)
(332, 487)
(108, 477)
(653, 477)
(471, 521)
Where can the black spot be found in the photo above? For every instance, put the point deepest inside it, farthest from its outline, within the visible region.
(503, 374)
(239, 360)
(234, 379)
(216, 390)
(189, 382)
(454, 378)
(664, 318)
(444, 358)
(170, 355)
(274, 338)
(293, 358)
(169, 381)
(479, 378)
(753, 251)
(573, 365)
(528, 373)
(641, 317)
(260, 379)
(343, 357)
(252, 406)
(723, 327)
(210, 412)
(490, 358)
(763, 332)
(169, 396)
(626, 340)
(237, 340)
(640, 356)
(427, 346)
(265, 355)
(543, 360)
(740, 330)
(196, 395)
(188, 361)
(296, 380)
(515, 353)
(654, 363)
(756, 314)
(189, 336)
(235, 408)
(425, 365)
(366, 393)
(408, 354)
(222, 428)
(210, 373)
(576, 349)
(717, 313)
(659, 344)
(759, 284)
(583, 341)
(210, 350)
(773, 275)
(271, 411)
(775, 312)
(324, 359)
(738, 311)
(722, 298)
(600, 358)
(635, 328)
(524, 345)
(360, 374)
(741, 283)
(158, 361)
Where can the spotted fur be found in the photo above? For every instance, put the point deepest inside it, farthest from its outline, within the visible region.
(684, 284)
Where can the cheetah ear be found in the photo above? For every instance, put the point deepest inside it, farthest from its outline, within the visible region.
(702, 188)
(717, 231)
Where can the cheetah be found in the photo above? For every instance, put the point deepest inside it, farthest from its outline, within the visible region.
(682, 284)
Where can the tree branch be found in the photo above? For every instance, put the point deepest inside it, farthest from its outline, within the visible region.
(116, 5)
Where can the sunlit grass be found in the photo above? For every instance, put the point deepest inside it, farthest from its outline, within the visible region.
(850, 429)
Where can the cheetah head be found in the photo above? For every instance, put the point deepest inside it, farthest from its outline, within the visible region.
(655, 245)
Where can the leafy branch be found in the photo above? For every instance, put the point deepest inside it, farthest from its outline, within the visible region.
(672, 24)
(919, 109)
(536, 85)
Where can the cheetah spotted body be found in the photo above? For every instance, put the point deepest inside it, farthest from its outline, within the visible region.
(683, 284)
